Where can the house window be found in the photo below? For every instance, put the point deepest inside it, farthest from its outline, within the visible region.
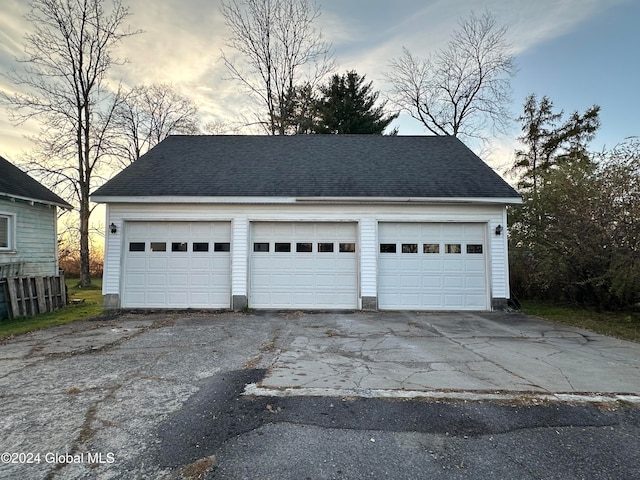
(6, 232)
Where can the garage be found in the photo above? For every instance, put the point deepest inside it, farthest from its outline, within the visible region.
(307, 222)
(432, 266)
(177, 265)
(311, 265)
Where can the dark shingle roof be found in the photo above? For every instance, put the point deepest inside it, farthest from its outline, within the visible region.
(309, 166)
(15, 183)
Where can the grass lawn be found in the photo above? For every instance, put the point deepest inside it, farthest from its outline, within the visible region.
(88, 303)
(625, 325)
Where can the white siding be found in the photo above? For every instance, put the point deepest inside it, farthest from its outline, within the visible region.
(500, 258)
(239, 255)
(36, 243)
(366, 215)
(368, 257)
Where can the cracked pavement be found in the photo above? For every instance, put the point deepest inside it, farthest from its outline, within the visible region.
(465, 352)
(114, 394)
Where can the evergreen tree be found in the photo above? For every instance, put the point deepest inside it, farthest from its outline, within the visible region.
(348, 105)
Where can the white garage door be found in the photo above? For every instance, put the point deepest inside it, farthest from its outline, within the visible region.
(303, 265)
(432, 266)
(177, 265)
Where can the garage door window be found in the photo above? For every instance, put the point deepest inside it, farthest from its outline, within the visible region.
(136, 247)
(431, 248)
(200, 246)
(325, 247)
(158, 247)
(261, 247)
(474, 248)
(179, 247)
(222, 247)
(452, 248)
(282, 247)
(347, 247)
(387, 248)
(304, 247)
(409, 248)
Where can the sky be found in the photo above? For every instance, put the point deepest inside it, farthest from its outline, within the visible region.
(576, 52)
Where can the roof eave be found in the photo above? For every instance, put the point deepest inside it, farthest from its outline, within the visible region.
(309, 200)
(37, 200)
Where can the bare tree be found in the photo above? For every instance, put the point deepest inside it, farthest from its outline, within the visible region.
(280, 49)
(463, 88)
(150, 113)
(67, 58)
(221, 127)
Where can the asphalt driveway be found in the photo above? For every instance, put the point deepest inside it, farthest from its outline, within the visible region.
(186, 395)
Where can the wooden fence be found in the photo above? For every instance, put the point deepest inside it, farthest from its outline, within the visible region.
(28, 296)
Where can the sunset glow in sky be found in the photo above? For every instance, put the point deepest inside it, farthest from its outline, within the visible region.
(577, 52)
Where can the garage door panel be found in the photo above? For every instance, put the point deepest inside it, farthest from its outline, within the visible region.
(156, 298)
(196, 280)
(281, 280)
(200, 299)
(151, 280)
(177, 299)
(450, 281)
(453, 265)
(474, 283)
(327, 281)
(431, 264)
(261, 262)
(303, 278)
(281, 263)
(453, 301)
(410, 281)
(200, 264)
(475, 266)
(441, 275)
(319, 278)
(477, 300)
(345, 282)
(159, 262)
(388, 283)
(305, 263)
(137, 263)
(137, 299)
(432, 282)
(178, 280)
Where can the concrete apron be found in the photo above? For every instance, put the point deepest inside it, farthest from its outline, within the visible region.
(467, 356)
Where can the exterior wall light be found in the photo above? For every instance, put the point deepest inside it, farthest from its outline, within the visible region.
(113, 228)
(499, 230)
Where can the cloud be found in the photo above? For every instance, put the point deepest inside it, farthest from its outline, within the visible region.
(182, 39)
